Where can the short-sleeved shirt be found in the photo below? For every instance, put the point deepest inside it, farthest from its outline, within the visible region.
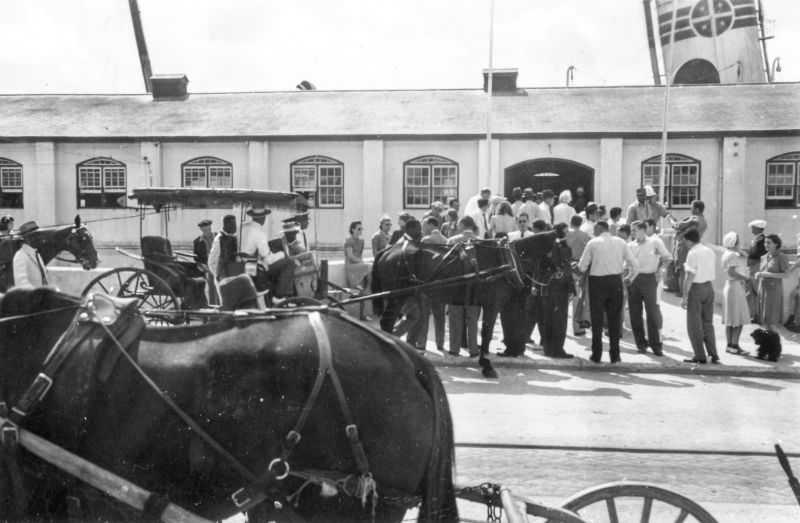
(605, 255)
(649, 254)
(701, 262)
(733, 259)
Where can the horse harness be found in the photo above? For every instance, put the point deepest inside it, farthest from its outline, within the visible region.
(121, 324)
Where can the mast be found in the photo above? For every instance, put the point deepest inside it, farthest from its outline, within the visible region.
(651, 41)
(764, 39)
(489, 91)
(141, 45)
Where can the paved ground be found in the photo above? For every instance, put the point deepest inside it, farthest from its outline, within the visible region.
(676, 348)
(557, 433)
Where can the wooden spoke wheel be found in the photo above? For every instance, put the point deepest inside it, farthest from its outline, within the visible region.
(152, 292)
(636, 502)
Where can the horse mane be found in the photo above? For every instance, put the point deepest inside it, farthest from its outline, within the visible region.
(52, 241)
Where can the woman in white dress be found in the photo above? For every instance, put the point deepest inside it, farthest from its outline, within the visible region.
(735, 312)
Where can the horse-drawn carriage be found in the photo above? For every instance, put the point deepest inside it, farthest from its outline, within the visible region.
(172, 279)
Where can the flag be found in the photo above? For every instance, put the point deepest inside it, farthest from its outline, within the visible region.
(711, 38)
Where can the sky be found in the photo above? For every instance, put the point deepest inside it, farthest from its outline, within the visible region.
(87, 46)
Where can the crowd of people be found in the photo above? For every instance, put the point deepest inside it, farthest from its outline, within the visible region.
(620, 265)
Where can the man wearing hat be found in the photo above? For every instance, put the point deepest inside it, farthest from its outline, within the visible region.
(202, 247)
(29, 268)
(255, 245)
(756, 250)
(302, 221)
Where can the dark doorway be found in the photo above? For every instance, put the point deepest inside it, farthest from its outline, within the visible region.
(697, 71)
(556, 174)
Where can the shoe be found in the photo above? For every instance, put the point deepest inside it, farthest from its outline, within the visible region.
(616, 361)
(715, 359)
(563, 355)
(474, 354)
(641, 350)
(440, 348)
(739, 351)
(730, 349)
(658, 352)
(592, 358)
(507, 354)
(454, 353)
(693, 360)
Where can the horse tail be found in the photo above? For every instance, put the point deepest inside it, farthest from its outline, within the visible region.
(438, 493)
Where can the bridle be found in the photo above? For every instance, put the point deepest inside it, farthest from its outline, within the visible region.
(78, 258)
(120, 323)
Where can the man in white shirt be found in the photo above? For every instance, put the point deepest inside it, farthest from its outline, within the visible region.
(563, 212)
(254, 245)
(604, 258)
(546, 207)
(651, 254)
(29, 268)
(698, 298)
(481, 218)
(523, 231)
(472, 204)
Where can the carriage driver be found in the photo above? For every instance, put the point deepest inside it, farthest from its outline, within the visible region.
(254, 245)
(29, 268)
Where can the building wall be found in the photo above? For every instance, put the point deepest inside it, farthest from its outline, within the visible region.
(732, 178)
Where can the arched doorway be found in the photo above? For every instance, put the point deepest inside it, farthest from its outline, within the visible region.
(556, 174)
(697, 71)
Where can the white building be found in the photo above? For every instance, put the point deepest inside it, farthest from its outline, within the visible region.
(736, 147)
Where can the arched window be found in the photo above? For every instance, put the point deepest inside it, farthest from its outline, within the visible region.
(207, 171)
(783, 181)
(427, 179)
(682, 180)
(101, 183)
(10, 184)
(321, 176)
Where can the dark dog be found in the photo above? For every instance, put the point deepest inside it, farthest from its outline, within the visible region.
(769, 344)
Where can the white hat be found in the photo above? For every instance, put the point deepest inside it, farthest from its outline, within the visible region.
(258, 210)
(648, 190)
(760, 224)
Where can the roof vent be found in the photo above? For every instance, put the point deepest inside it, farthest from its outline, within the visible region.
(169, 87)
(305, 85)
(504, 81)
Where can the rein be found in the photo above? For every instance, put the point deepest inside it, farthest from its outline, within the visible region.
(96, 311)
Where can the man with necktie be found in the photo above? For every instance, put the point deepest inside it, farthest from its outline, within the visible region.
(29, 268)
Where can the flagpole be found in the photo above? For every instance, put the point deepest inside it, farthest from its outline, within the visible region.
(489, 91)
(667, 83)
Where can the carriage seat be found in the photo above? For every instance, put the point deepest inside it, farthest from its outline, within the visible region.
(185, 279)
(239, 292)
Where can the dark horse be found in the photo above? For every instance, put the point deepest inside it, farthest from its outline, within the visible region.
(409, 263)
(75, 239)
(245, 382)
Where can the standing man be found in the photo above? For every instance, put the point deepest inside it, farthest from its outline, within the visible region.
(555, 297)
(651, 254)
(579, 202)
(523, 231)
(481, 218)
(546, 207)
(463, 319)
(756, 250)
(29, 268)
(418, 333)
(202, 248)
(576, 240)
(591, 212)
(472, 204)
(695, 221)
(604, 259)
(380, 240)
(698, 298)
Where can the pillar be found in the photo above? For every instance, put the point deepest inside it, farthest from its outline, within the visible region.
(257, 175)
(733, 190)
(609, 185)
(40, 204)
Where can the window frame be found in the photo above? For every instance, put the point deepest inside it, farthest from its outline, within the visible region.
(11, 196)
(206, 164)
(430, 163)
(777, 202)
(674, 160)
(100, 165)
(313, 167)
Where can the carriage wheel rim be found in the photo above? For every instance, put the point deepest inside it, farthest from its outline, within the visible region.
(647, 492)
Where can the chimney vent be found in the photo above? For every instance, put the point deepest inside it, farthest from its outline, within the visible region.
(504, 81)
(169, 87)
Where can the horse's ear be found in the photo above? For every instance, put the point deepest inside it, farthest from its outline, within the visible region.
(77, 221)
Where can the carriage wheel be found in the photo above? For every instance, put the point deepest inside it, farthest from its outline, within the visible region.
(625, 501)
(152, 292)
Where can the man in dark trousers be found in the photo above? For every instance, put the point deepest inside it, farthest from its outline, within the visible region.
(754, 254)
(202, 247)
(604, 259)
(698, 298)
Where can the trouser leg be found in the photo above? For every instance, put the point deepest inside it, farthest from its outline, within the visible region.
(437, 308)
(708, 321)
(694, 321)
(456, 327)
(596, 309)
(635, 300)
(653, 310)
(471, 315)
(613, 307)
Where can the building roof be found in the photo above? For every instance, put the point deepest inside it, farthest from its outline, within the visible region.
(702, 109)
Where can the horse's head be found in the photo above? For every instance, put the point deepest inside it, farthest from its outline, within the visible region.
(81, 245)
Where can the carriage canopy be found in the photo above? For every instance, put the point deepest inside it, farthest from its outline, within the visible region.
(210, 198)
